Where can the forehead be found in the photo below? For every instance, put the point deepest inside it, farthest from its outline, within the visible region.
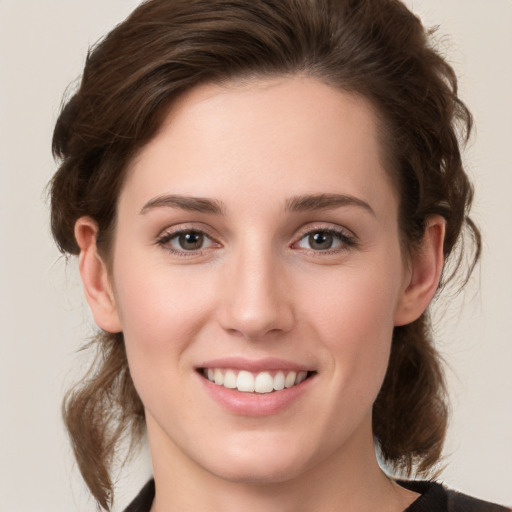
(285, 133)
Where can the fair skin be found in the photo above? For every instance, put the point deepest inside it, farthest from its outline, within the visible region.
(290, 261)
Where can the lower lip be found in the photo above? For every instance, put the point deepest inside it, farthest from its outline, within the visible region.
(255, 404)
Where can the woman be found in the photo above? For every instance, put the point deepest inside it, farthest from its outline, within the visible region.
(264, 196)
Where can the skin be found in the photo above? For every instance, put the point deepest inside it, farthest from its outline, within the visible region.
(257, 288)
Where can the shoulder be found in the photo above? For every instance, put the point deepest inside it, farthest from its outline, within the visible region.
(435, 497)
(458, 502)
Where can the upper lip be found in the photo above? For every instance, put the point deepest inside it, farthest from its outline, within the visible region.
(254, 365)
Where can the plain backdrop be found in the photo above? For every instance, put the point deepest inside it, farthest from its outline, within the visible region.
(44, 320)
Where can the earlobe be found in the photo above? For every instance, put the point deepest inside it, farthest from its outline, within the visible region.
(425, 272)
(95, 278)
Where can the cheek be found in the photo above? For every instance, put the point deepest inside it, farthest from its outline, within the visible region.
(161, 310)
(353, 316)
(354, 303)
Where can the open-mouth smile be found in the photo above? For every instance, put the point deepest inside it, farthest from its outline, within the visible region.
(255, 382)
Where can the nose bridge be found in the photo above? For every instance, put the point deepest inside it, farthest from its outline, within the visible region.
(256, 300)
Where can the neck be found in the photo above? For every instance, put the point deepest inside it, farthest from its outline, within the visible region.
(350, 480)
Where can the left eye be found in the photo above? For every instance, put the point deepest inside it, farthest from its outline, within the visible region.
(322, 240)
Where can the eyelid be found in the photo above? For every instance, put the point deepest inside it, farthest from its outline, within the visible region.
(172, 232)
(346, 236)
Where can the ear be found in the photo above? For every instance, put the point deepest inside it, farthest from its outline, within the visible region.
(425, 270)
(95, 279)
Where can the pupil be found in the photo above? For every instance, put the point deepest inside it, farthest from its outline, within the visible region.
(321, 241)
(191, 240)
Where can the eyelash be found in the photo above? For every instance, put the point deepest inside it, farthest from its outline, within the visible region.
(345, 241)
(165, 240)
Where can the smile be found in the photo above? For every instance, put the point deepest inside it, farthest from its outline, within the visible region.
(255, 382)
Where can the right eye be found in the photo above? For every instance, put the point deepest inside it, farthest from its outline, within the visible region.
(186, 241)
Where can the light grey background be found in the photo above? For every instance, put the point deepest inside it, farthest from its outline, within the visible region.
(42, 314)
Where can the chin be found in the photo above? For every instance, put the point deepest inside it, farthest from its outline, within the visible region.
(258, 462)
(247, 472)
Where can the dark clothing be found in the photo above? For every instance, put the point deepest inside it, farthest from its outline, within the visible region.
(144, 500)
(434, 498)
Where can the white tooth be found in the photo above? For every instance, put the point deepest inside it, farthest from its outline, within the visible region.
(219, 378)
(230, 379)
(211, 374)
(245, 381)
(289, 381)
(301, 376)
(264, 383)
(279, 381)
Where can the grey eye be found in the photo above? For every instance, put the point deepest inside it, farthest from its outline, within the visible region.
(321, 241)
(189, 241)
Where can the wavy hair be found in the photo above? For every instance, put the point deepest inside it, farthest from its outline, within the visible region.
(374, 48)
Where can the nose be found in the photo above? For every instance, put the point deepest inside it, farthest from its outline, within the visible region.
(256, 300)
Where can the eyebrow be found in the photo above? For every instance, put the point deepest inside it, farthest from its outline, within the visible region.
(302, 203)
(312, 202)
(195, 204)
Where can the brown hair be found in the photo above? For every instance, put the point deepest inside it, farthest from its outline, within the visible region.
(374, 48)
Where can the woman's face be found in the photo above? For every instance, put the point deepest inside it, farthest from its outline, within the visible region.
(257, 244)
